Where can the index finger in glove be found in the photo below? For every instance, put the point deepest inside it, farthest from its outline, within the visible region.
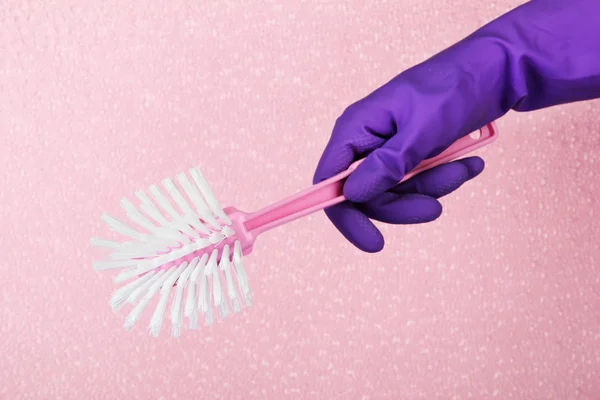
(357, 132)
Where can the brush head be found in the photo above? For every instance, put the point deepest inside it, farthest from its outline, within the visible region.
(190, 253)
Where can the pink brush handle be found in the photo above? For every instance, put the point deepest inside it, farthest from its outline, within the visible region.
(330, 192)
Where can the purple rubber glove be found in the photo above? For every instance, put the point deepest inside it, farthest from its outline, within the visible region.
(543, 53)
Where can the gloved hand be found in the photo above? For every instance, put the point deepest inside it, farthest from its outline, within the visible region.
(543, 53)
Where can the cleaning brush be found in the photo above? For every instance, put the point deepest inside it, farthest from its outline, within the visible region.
(185, 242)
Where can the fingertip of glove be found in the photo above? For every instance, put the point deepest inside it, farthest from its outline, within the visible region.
(412, 208)
(369, 243)
(436, 210)
(363, 184)
(429, 208)
(356, 227)
(475, 166)
(352, 188)
(371, 248)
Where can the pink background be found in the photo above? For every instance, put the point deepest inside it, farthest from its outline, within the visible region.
(498, 298)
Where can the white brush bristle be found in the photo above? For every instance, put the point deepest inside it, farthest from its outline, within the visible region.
(172, 241)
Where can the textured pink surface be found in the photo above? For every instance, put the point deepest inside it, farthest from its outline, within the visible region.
(500, 297)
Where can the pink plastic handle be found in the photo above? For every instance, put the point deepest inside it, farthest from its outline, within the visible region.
(330, 192)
